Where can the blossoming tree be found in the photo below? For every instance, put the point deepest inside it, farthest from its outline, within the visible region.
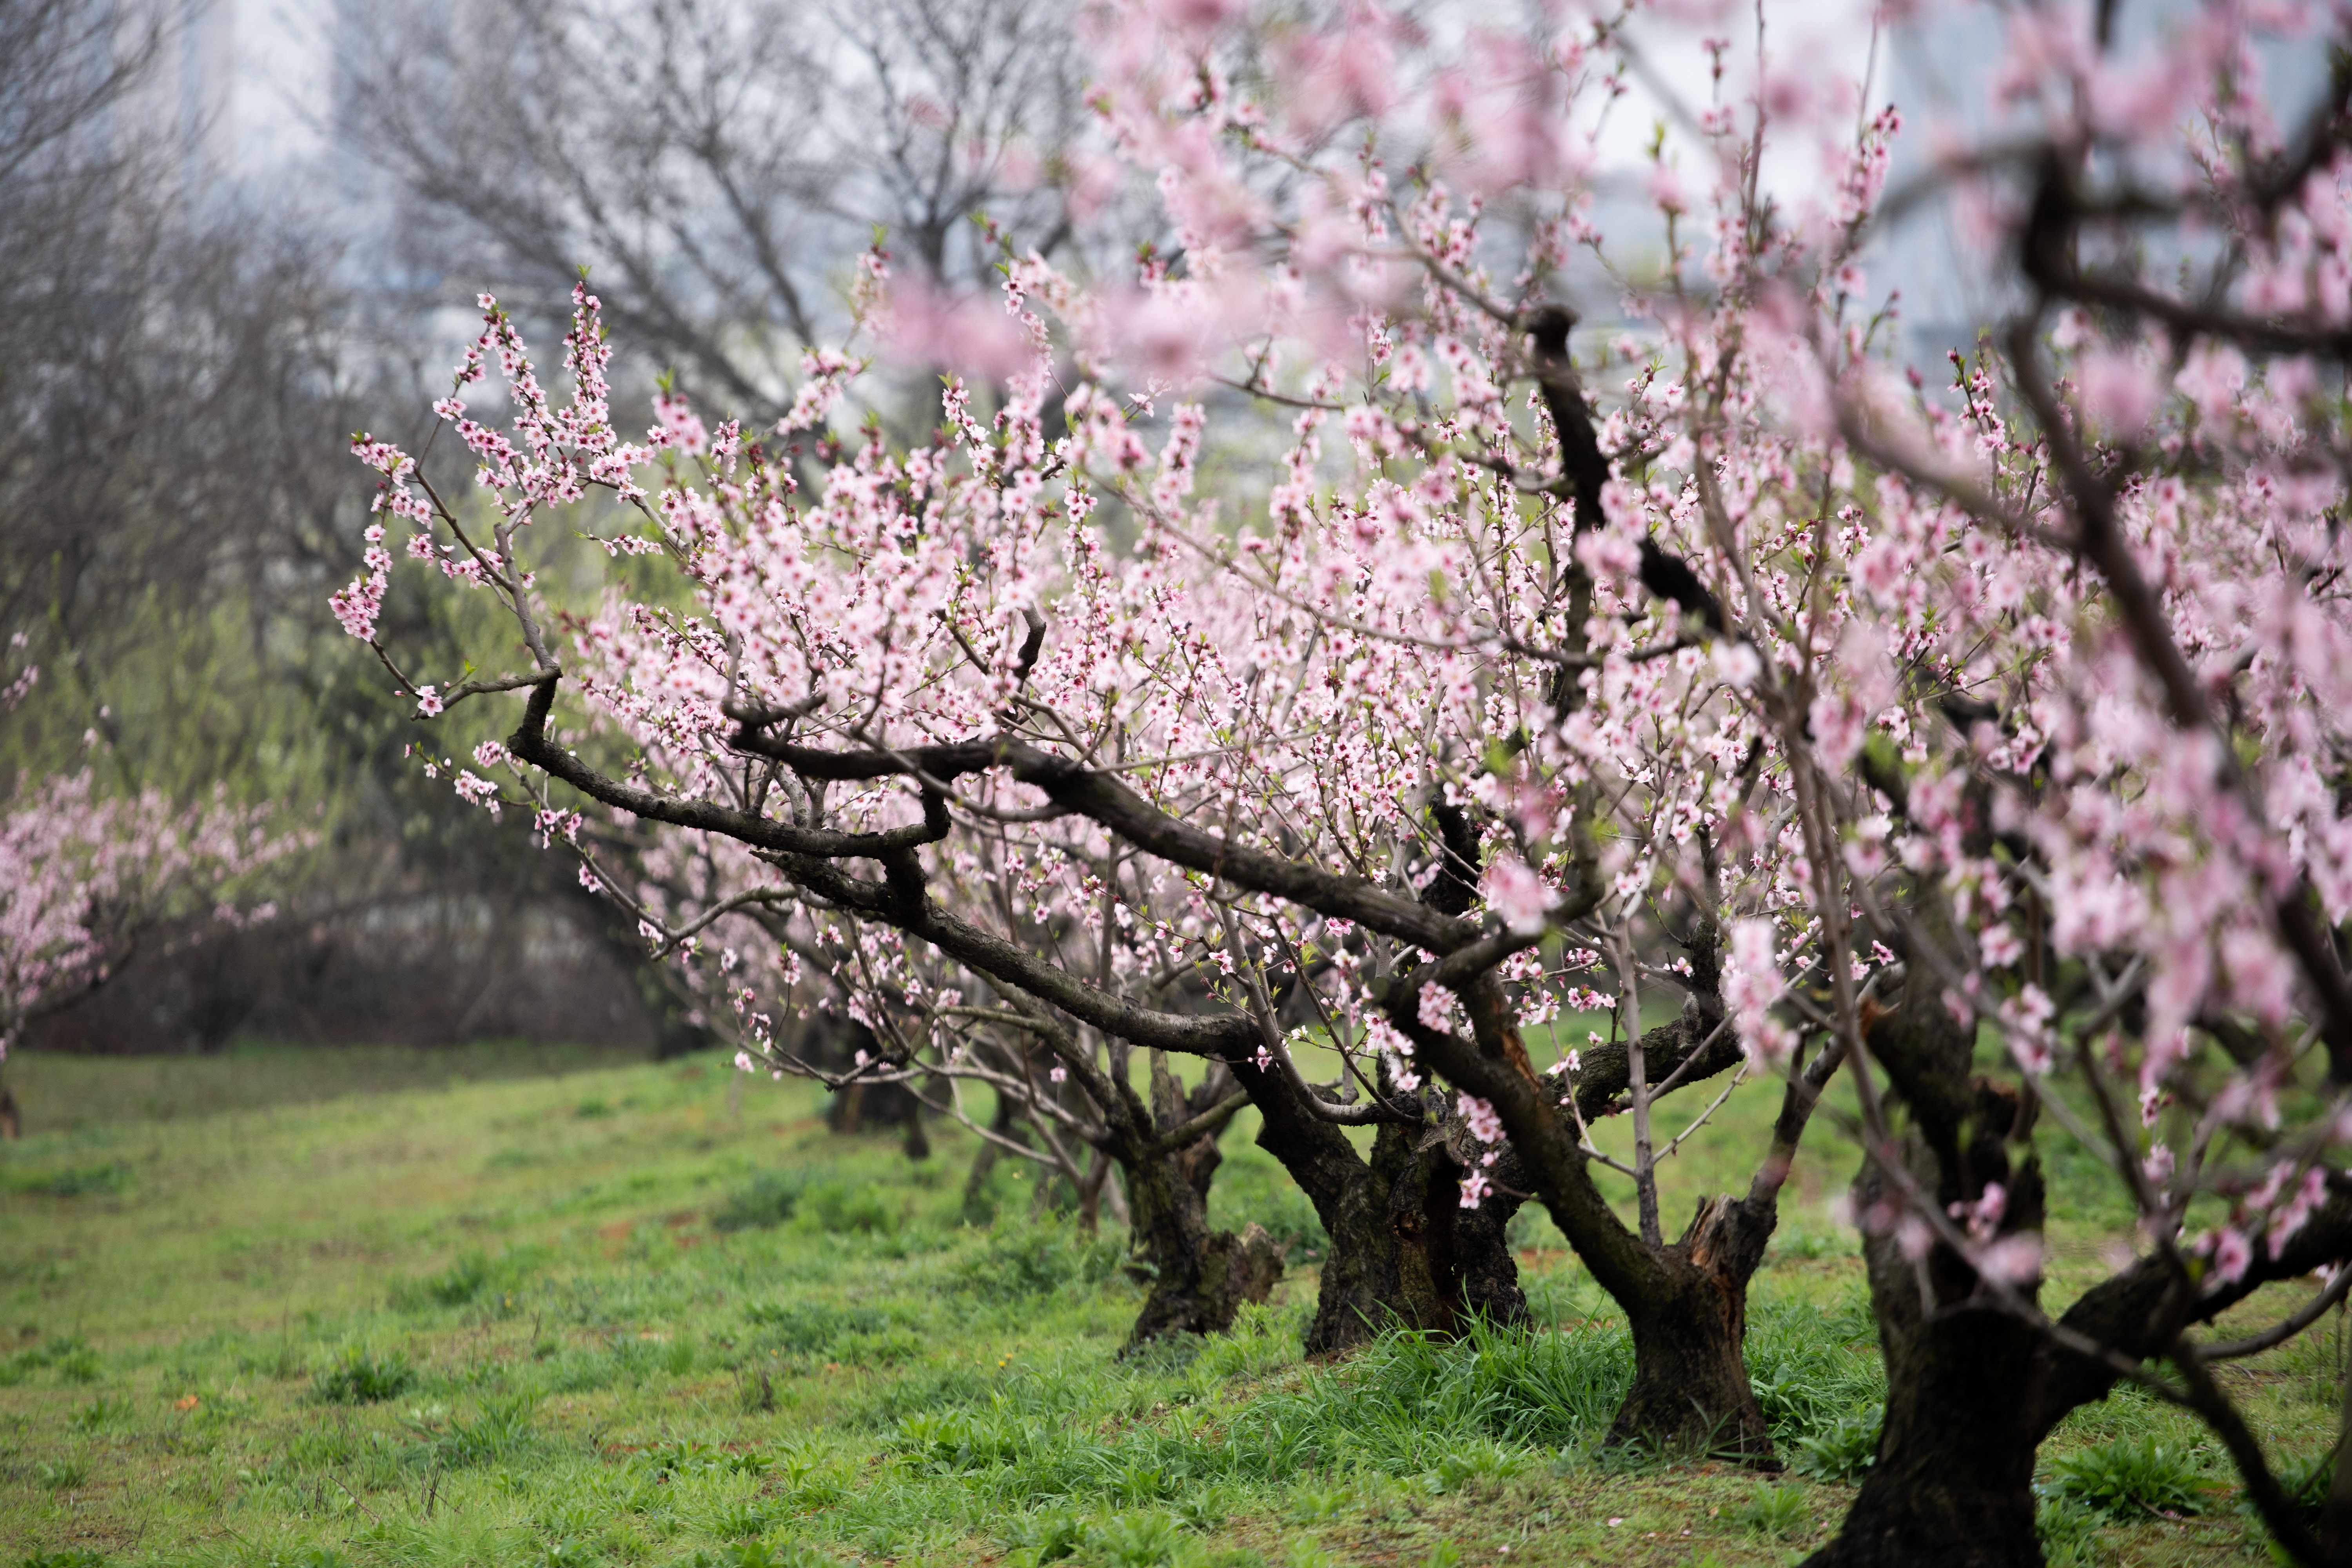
(86, 876)
(1859, 723)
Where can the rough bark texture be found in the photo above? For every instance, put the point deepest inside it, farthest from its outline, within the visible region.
(1971, 1391)
(1691, 1391)
(1198, 1278)
(1686, 1301)
(1971, 1396)
(2335, 1515)
(1451, 1263)
(1953, 1484)
(1404, 1253)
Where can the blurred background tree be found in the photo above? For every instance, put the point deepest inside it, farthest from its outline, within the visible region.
(186, 347)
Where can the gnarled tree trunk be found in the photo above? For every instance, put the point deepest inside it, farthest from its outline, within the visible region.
(1166, 1147)
(1972, 1395)
(1404, 1252)
(1198, 1278)
(1686, 1301)
(1965, 1407)
(1971, 1391)
(1953, 1483)
(1691, 1391)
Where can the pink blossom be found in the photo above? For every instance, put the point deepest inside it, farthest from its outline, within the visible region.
(1607, 554)
(1983, 1217)
(477, 790)
(1735, 663)
(1752, 984)
(1303, 618)
(2230, 1252)
(2212, 379)
(85, 876)
(1839, 726)
(2012, 1260)
(1196, 19)
(2026, 1019)
(2262, 978)
(961, 333)
(1517, 894)
(1666, 189)
(677, 427)
(2001, 946)
(2119, 390)
(2290, 1217)
(1484, 1124)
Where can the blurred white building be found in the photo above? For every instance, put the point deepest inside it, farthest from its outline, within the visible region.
(240, 88)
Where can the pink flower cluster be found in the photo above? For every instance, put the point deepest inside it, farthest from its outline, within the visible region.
(83, 875)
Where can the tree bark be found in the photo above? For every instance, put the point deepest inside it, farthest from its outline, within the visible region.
(1972, 1390)
(1972, 1395)
(1686, 1301)
(2336, 1514)
(1691, 1391)
(1198, 1278)
(1953, 1483)
(1404, 1252)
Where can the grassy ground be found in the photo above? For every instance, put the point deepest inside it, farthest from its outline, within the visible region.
(545, 1311)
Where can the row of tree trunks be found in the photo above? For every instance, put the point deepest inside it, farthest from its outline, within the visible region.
(1971, 1393)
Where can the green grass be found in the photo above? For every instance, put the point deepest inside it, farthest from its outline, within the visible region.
(542, 1311)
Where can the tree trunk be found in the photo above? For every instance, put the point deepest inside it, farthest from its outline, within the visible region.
(1404, 1252)
(1686, 1302)
(2336, 1514)
(1482, 1260)
(1005, 1124)
(1450, 1263)
(1953, 1484)
(1198, 1278)
(1969, 1391)
(1691, 1391)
